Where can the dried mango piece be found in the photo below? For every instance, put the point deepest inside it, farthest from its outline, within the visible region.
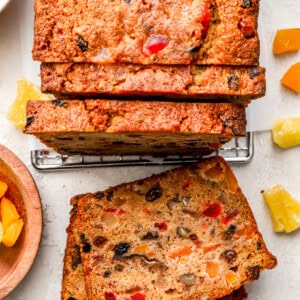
(3, 188)
(25, 91)
(291, 78)
(9, 213)
(284, 209)
(286, 132)
(12, 233)
(286, 40)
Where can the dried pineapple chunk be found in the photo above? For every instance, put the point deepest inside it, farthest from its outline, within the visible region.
(3, 188)
(25, 91)
(286, 40)
(291, 78)
(284, 209)
(12, 233)
(9, 213)
(286, 132)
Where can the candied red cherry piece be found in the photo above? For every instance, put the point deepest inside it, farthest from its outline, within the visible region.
(154, 44)
(247, 29)
(213, 210)
(205, 20)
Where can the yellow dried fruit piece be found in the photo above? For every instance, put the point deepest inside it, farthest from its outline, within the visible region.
(284, 209)
(9, 213)
(286, 40)
(1, 232)
(286, 132)
(12, 233)
(26, 90)
(291, 78)
(3, 188)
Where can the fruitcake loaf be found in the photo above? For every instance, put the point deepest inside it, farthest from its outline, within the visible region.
(146, 32)
(112, 127)
(233, 84)
(73, 285)
(184, 234)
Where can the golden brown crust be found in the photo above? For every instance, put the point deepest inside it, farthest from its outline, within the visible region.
(134, 127)
(183, 234)
(232, 84)
(147, 32)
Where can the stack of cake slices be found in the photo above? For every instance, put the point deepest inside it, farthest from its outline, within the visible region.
(185, 234)
(144, 77)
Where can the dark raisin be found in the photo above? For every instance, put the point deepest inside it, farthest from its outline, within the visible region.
(59, 103)
(86, 247)
(106, 274)
(229, 255)
(74, 208)
(99, 240)
(151, 235)
(99, 195)
(121, 249)
(253, 272)
(29, 120)
(118, 143)
(154, 193)
(233, 82)
(82, 44)
(228, 234)
(119, 268)
(258, 245)
(71, 298)
(127, 1)
(76, 257)
(193, 49)
(109, 195)
(246, 3)
(254, 72)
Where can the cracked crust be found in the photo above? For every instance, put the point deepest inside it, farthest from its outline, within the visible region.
(202, 31)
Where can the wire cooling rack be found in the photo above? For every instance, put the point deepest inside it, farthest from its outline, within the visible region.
(238, 150)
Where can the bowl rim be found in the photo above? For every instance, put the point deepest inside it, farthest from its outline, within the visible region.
(34, 224)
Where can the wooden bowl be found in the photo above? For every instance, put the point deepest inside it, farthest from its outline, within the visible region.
(16, 261)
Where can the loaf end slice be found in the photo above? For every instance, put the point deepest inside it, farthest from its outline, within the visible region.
(112, 127)
(187, 233)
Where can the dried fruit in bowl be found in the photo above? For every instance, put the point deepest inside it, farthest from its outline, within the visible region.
(286, 132)
(286, 40)
(9, 213)
(3, 188)
(291, 79)
(284, 209)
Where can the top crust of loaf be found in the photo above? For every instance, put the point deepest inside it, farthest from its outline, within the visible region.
(146, 32)
(184, 234)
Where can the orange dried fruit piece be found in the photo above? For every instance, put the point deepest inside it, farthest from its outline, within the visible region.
(9, 213)
(12, 233)
(183, 251)
(26, 90)
(286, 40)
(3, 188)
(286, 132)
(291, 79)
(284, 209)
(212, 268)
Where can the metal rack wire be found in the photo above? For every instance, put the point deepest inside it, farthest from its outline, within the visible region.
(238, 150)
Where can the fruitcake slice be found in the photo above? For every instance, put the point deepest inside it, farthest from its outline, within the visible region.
(187, 233)
(234, 84)
(73, 286)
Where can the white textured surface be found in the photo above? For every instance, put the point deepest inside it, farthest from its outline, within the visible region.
(269, 166)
